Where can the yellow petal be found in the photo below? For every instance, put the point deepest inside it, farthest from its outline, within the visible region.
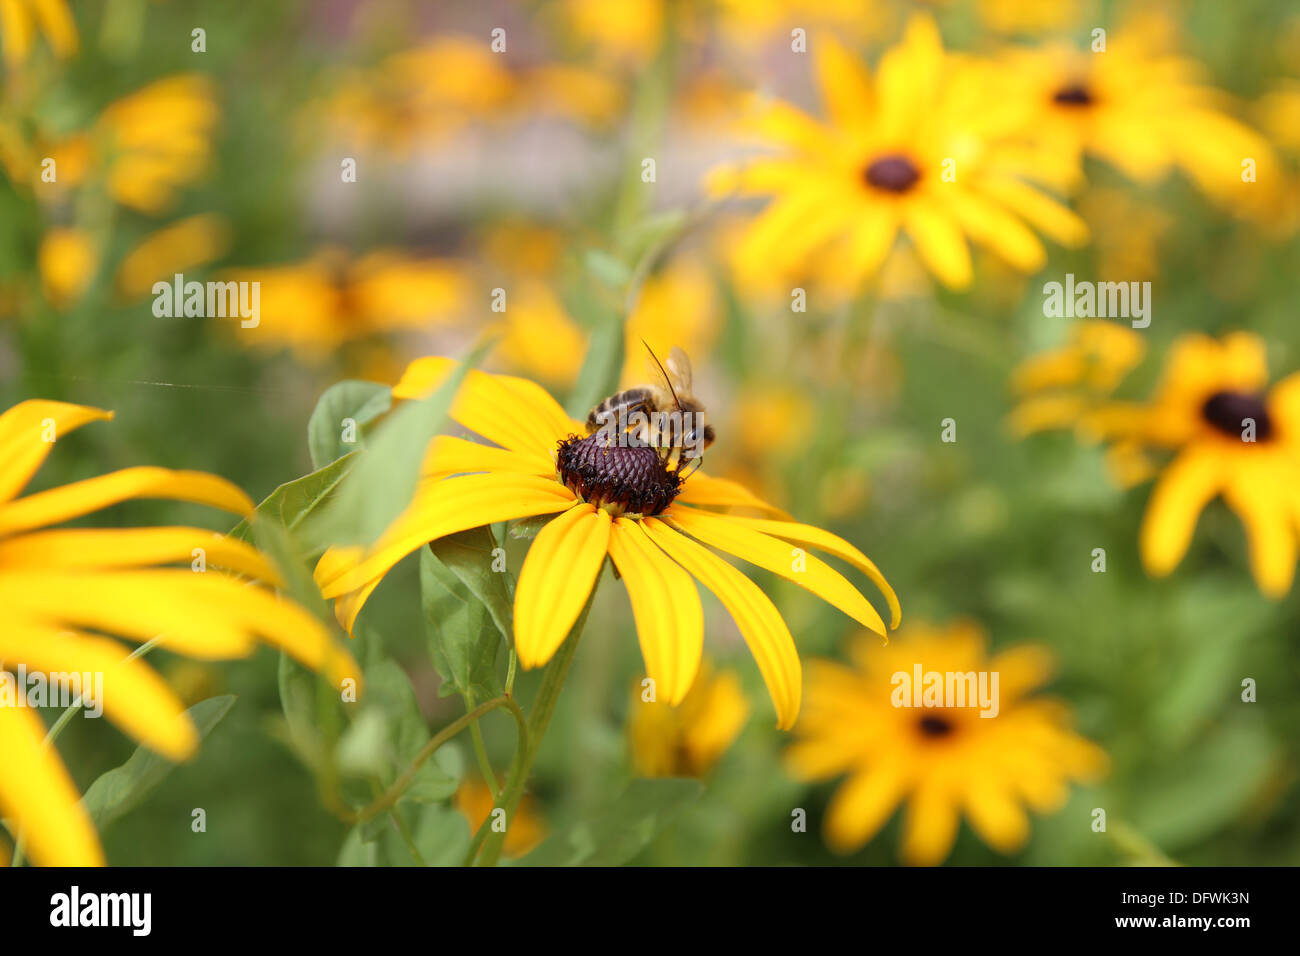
(132, 695)
(702, 489)
(562, 566)
(83, 497)
(28, 432)
(59, 27)
(1259, 497)
(940, 243)
(37, 793)
(993, 810)
(722, 531)
(832, 544)
(209, 616)
(862, 805)
(666, 607)
(455, 456)
(845, 86)
(1182, 491)
(441, 508)
(930, 825)
(1040, 210)
(128, 547)
(991, 225)
(757, 618)
(512, 412)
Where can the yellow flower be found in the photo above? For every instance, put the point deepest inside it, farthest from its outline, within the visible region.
(20, 19)
(677, 306)
(431, 92)
(1143, 110)
(1028, 16)
(540, 337)
(315, 306)
(619, 501)
(629, 31)
(184, 245)
(686, 741)
(524, 832)
(923, 149)
(146, 146)
(64, 589)
(1060, 387)
(67, 260)
(941, 758)
(1232, 436)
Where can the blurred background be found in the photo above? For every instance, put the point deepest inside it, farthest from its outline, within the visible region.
(522, 169)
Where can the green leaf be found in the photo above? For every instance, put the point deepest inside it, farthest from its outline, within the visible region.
(121, 789)
(472, 556)
(358, 851)
(618, 834)
(463, 635)
(1210, 784)
(362, 402)
(295, 501)
(298, 701)
(609, 269)
(387, 470)
(601, 369)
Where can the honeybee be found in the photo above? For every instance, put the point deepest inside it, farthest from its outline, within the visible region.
(664, 415)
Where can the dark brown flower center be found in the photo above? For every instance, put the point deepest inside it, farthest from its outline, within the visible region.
(622, 479)
(1074, 94)
(894, 173)
(932, 725)
(1232, 413)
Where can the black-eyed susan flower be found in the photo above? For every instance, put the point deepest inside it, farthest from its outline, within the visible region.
(1231, 436)
(526, 829)
(687, 740)
(922, 149)
(937, 753)
(1144, 109)
(1060, 387)
(143, 147)
(64, 590)
(319, 304)
(609, 500)
(22, 20)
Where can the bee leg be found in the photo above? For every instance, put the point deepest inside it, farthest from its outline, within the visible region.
(691, 465)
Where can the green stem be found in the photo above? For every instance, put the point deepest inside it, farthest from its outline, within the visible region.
(57, 728)
(480, 751)
(538, 720)
(399, 787)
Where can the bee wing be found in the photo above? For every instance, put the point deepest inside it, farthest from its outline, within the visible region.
(679, 371)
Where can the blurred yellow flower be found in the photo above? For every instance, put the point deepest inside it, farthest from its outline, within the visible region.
(940, 756)
(1232, 436)
(677, 306)
(629, 31)
(429, 93)
(540, 338)
(143, 147)
(314, 306)
(923, 150)
(610, 500)
(1060, 387)
(687, 740)
(67, 260)
(523, 833)
(64, 589)
(1029, 16)
(184, 245)
(1144, 110)
(20, 20)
